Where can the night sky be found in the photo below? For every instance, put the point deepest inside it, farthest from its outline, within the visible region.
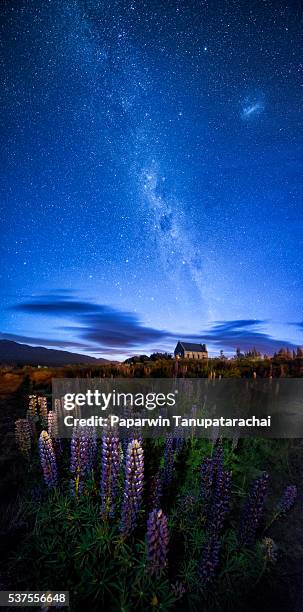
(151, 174)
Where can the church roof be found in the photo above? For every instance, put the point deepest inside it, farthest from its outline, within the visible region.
(193, 347)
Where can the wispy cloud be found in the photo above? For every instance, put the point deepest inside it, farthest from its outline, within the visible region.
(245, 334)
(96, 324)
(99, 328)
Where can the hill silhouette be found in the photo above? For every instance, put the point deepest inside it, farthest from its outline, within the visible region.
(15, 353)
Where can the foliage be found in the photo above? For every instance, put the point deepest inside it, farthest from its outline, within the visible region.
(157, 528)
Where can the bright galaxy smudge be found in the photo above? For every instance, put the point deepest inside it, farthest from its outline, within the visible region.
(252, 109)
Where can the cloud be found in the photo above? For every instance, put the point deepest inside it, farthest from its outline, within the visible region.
(245, 334)
(102, 329)
(298, 324)
(96, 324)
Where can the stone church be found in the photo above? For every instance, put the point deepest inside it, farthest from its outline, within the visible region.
(190, 350)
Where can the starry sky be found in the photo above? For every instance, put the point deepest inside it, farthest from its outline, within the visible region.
(151, 174)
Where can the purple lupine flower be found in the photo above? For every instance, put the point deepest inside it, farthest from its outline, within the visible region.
(92, 435)
(23, 436)
(210, 559)
(207, 480)
(253, 510)
(218, 454)
(133, 488)
(168, 460)
(179, 443)
(287, 500)
(215, 490)
(220, 504)
(156, 491)
(109, 474)
(80, 459)
(124, 445)
(48, 460)
(157, 541)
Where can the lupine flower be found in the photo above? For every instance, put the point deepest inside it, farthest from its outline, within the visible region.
(52, 428)
(287, 500)
(253, 510)
(168, 460)
(42, 404)
(109, 474)
(220, 505)
(179, 443)
(156, 491)
(124, 444)
(32, 407)
(58, 404)
(23, 436)
(207, 480)
(126, 441)
(52, 424)
(157, 541)
(92, 447)
(270, 550)
(218, 454)
(48, 460)
(80, 459)
(133, 489)
(210, 559)
(215, 490)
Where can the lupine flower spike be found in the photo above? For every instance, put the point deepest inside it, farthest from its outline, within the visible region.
(80, 459)
(221, 501)
(42, 403)
(133, 489)
(23, 436)
(210, 559)
(92, 448)
(52, 428)
(168, 460)
(111, 458)
(52, 425)
(215, 490)
(253, 510)
(155, 493)
(207, 479)
(287, 500)
(32, 407)
(48, 460)
(157, 541)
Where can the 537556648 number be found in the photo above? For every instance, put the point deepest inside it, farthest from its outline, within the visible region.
(34, 598)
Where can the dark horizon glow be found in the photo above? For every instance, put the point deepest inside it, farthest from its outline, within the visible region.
(152, 175)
